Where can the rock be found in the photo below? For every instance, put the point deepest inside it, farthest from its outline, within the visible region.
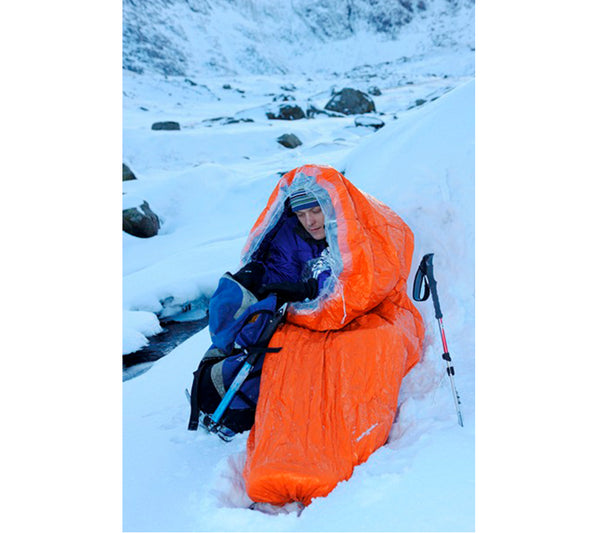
(127, 174)
(312, 110)
(228, 87)
(370, 122)
(287, 112)
(167, 126)
(283, 98)
(351, 102)
(232, 120)
(140, 221)
(374, 91)
(289, 140)
(418, 102)
(216, 120)
(225, 120)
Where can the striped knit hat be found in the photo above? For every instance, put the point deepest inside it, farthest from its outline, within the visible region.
(302, 199)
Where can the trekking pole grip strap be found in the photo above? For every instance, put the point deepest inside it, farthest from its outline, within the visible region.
(420, 286)
(427, 264)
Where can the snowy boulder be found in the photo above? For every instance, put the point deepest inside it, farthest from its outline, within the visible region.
(374, 90)
(168, 125)
(351, 102)
(369, 122)
(128, 175)
(286, 112)
(139, 220)
(289, 140)
(313, 110)
(418, 103)
(137, 326)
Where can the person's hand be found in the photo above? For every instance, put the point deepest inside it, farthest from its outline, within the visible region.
(250, 276)
(291, 292)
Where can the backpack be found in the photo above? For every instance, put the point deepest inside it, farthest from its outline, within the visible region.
(237, 325)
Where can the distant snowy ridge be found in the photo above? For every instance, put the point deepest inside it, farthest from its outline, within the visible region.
(231, 37)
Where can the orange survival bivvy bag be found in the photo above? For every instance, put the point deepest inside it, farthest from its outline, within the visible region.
(328, 398)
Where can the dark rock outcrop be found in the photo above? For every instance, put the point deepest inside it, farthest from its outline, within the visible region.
(140, 221)
(128, 175)
(351, 102)
(168, 125)
(287, 112)
(289, 140)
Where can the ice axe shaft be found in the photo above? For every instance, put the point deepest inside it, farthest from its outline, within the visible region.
(424, 285)
(214, 420)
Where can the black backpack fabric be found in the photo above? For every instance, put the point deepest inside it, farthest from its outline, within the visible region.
(236, 321)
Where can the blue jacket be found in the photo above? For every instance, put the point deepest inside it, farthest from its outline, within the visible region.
(293, 255)
(288, 254)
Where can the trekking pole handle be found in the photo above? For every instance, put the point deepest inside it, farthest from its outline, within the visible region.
(425, 285)
(427, 269)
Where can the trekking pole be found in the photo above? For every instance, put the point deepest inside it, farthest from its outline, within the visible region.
(424, 279)
(212, 422)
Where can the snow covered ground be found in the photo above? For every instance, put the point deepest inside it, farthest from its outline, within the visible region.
(208, 182)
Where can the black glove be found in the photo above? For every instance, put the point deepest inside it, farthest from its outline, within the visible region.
(291, 292)
(250, 276)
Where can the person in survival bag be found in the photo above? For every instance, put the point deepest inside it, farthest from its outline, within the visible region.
(291, 265)
(292, 261)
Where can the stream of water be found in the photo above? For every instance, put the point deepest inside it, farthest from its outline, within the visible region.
(173, 334)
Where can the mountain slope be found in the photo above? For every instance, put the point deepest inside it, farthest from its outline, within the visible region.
(229, 37)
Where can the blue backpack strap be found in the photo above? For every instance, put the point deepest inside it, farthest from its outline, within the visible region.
(254, 320)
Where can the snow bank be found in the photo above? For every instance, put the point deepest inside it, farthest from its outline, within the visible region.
(423, 167)
(136, 327)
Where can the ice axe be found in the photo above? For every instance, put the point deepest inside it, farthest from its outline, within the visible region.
(213, 422)
(424, 285)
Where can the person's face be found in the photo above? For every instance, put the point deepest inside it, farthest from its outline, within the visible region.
(313, 221)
